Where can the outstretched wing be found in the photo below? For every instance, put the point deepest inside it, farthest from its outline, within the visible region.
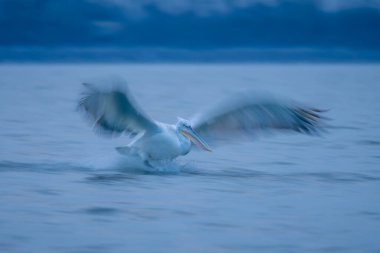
(114, 112)
(249, 115)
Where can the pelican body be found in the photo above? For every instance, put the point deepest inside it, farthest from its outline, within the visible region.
(166, 143)
(113, 112)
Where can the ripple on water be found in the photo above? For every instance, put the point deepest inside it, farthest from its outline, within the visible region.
(219, 225)
(6, 166)
(335, 177)
(108, 178)
(370, 214)
(47, 192)
(99, 210)
(369, 142)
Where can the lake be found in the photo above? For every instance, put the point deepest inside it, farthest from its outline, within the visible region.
(65, 189)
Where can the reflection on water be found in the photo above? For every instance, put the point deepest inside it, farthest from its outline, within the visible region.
(63, 189)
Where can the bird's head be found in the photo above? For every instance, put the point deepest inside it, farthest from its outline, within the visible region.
(184, 128)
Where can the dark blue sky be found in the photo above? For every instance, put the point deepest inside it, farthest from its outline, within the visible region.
(191, 24)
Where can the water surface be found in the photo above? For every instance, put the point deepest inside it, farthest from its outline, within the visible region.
(64, 189)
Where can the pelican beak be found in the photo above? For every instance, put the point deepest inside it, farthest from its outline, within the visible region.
(196, 139)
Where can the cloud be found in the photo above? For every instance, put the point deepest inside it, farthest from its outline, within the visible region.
(195, 24)
(210, 7)
(199, 7)
(336, 5)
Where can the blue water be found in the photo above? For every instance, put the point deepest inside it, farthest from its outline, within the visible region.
(64, 189)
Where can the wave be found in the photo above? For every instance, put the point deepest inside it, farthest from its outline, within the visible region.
(124, 169)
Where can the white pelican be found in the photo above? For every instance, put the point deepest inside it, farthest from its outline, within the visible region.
(114, 112)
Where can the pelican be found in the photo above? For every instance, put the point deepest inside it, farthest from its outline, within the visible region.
(114, 112)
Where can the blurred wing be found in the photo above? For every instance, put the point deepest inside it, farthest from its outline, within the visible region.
(247, 116)
(113, 111)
